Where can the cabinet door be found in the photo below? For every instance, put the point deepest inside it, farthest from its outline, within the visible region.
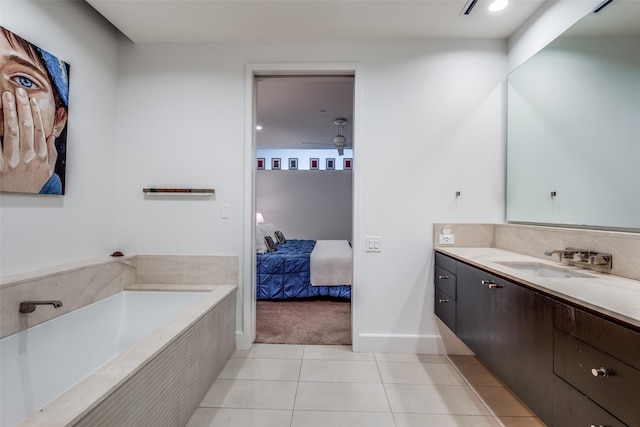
(522, 345)
(474, 311)
(509, 327)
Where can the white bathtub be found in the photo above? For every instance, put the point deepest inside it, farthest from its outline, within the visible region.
(43, 362)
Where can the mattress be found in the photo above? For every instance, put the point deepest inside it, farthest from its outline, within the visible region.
(286, 273)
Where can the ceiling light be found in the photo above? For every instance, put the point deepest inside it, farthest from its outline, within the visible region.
(498, 5)
(258, 127)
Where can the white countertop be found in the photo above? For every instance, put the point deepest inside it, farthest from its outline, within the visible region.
(612, 296)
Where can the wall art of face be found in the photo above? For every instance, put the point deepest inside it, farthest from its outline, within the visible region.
(34, 94)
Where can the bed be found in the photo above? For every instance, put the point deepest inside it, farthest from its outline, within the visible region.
(286, 273)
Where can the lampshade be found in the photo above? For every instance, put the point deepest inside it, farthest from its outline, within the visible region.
(259, 218)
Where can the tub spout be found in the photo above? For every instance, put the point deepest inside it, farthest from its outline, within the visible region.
(30, 306)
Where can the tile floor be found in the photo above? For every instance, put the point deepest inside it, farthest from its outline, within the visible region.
(275, 385)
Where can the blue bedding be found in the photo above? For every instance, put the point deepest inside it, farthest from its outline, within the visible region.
(285, 274)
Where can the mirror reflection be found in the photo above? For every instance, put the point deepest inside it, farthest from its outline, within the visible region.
(573, 126)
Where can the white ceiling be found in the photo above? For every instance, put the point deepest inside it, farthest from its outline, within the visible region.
(293, 110)
(175, 21)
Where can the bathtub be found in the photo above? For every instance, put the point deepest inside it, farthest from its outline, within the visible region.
(64, 370)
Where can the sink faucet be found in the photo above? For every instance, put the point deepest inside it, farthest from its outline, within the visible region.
(584, 258)
(570, 253)
(30, 306)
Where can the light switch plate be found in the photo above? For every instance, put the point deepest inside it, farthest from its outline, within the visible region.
(373, 244)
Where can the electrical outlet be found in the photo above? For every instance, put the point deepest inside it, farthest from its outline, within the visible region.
(446, 239)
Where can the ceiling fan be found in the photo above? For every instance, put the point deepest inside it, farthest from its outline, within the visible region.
(339, 141)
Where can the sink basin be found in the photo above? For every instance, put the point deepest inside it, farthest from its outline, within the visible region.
(543, 270)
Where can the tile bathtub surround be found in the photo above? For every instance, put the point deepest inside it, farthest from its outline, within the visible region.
(534, 240)
(305, 386)
(187, 269)
(83, 283)
(74, 285)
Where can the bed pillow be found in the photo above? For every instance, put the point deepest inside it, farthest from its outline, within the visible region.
(271, 245)
(280, 236)
(261, 246)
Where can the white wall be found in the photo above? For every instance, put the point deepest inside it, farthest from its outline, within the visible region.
(549, 22)
(40, 231)
(431, 120)
(307, 204)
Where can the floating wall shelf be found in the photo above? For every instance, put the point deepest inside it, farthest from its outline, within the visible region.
(168, 191)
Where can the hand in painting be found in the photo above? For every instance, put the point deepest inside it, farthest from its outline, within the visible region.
(28, 156)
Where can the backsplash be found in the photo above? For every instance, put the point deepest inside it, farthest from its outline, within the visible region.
(82, 283)
(534, 240)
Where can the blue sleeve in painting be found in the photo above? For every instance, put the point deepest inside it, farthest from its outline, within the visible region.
(53, 186)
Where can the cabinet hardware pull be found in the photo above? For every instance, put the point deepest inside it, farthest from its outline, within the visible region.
(598, 425)
(443, 300)
(491, 284)
(443, 277)
(600, 372)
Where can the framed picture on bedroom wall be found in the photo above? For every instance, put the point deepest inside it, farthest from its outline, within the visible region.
(261, 163)
(331, 164)
(293, 163)
(347, 164)
(314, 163)
(275, 164)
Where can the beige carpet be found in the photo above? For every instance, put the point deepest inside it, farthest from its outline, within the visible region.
(303, 322)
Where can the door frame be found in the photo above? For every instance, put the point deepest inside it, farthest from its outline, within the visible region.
(246, 305)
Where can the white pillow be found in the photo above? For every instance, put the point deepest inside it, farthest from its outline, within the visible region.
(269, 230)
(261, 246)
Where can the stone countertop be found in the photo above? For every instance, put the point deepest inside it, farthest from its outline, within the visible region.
(612, 296)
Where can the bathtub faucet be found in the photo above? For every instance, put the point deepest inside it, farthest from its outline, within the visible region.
(30, 306)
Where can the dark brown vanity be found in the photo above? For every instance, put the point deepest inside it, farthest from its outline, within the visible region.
(572, 365)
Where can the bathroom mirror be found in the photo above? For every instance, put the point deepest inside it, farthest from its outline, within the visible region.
(573, 126)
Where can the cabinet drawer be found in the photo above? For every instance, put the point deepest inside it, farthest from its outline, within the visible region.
(573, 409)
(614, 339)
(618, 393)
(445, 281)
(446, 262)
(445, 309)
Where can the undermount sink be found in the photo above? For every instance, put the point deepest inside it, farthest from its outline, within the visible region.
(543, 270)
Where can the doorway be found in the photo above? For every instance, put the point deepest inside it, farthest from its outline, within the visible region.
(289, 136)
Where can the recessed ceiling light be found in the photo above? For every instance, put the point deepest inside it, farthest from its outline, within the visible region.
(498, 5)
(258, 127)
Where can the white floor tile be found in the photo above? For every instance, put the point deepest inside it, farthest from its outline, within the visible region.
(434, 399)
(334, 352)
(444, 420)
(251, 394)
(342, 419)
(261, 369)
(225, 417)
(422, 358)
(340, 371)
(272, 351)
(501, 401)
(476, 374)
(521, 422)
(419, 373)
(356, 397)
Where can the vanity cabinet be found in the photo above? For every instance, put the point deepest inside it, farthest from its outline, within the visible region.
(571, 366)
(600, 361)
(445, 293)
(509, 327)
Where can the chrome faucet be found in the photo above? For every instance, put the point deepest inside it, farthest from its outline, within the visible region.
(30, 306)
(584, 258)
(570, 254)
